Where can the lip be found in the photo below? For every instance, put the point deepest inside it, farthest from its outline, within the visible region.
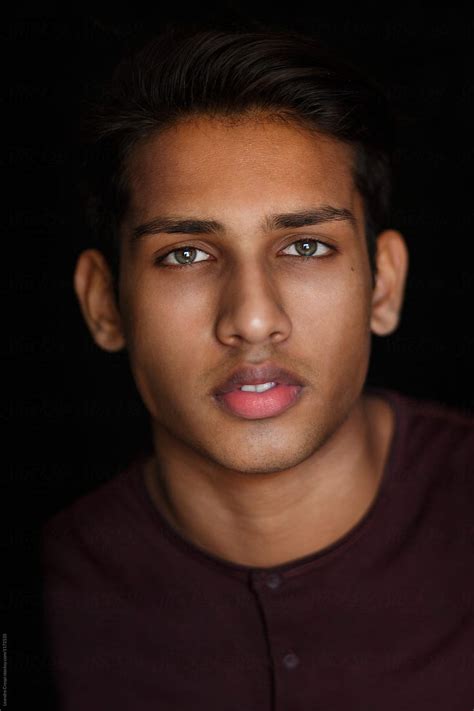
(254, 375)
(255, 406)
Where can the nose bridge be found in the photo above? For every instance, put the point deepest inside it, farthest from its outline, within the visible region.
(250, 305)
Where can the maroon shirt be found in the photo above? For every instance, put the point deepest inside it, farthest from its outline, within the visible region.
(381, 620)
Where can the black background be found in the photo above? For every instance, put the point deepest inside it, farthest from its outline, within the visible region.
(75, 410)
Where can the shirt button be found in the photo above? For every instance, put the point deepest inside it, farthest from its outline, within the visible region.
(273, 581)
(290, 660)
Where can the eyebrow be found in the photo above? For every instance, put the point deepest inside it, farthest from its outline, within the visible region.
(286, 220)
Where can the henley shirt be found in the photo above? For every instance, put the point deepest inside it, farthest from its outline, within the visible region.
(140, 618)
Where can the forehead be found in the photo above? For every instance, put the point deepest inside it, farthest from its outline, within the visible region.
(210, 164)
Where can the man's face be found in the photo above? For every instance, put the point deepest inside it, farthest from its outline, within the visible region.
(248, 296)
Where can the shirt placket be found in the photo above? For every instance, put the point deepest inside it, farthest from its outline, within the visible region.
(285, 658)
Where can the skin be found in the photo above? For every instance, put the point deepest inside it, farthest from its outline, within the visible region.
(269, 491)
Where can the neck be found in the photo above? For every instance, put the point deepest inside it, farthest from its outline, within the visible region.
(268, 520)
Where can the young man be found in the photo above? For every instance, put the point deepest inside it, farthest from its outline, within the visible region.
(297, 540)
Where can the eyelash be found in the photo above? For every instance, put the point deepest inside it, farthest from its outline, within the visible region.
(161, 258)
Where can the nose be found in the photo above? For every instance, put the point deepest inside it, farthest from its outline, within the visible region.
(250, 309)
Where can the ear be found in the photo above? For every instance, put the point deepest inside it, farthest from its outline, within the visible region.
(392, 268)
(93, 284)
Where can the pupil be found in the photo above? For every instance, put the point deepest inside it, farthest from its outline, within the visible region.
(189, 253)
(307, 246)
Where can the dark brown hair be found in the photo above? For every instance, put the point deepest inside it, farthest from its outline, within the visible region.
(220, 73)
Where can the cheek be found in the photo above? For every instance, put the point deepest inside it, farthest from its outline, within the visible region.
(331, 323)
(165, 323)
(334, 304)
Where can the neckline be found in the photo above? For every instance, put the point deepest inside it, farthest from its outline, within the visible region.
(304, 564)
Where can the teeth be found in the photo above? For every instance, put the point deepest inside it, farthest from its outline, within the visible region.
(257, 388)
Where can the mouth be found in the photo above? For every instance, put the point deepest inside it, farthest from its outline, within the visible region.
(259, 392)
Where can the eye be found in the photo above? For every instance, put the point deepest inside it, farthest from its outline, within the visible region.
(310, 248)
(184, 256)
(187, 255)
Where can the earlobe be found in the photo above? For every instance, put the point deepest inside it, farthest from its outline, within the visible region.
(93, 284)
(392, 268)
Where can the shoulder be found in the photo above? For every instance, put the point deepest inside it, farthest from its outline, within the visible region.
(437, 429)
(95, 522)
(425, 422)
(432, 455)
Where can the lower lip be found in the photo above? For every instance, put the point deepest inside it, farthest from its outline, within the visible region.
(256, 406)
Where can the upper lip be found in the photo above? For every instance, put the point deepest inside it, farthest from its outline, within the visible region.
(254, 375)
